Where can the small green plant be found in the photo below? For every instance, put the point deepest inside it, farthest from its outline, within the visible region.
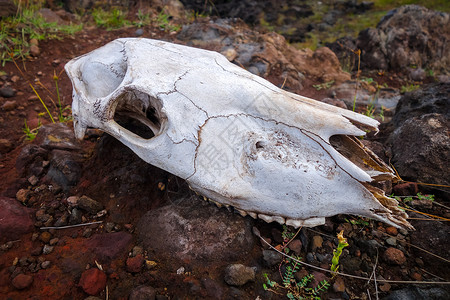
(338, 251)
(163, 21)
(358, 222)
(142, 19)
(323, 86)
(409, 88)
(111, 19)
(293, 289)
(17, 31)
(419, 196)
(30, 134)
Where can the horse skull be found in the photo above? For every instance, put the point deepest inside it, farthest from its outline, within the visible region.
(235, 137)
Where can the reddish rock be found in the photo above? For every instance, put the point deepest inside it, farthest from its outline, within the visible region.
(108, 246)
(392, 231)
(134, 264)
(394, 256)
(318, 277)
(406, 189)
(339, 285)
(93, 281)
(296, 246)
(15, 219)
(22, 281)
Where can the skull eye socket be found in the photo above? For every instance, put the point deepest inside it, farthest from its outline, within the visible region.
(139, 113)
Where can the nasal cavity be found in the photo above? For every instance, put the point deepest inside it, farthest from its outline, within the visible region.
(140, 114)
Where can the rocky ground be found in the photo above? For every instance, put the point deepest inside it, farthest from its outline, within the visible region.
(150, 237)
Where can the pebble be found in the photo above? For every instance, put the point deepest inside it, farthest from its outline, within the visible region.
(33, 180)
(22, 281)
(36, 251)
(89, 205)
(45, 237)
(7, 92)
(134, 264)
(93, 281)
(150, 264)
(87, 233)
(139, 32)
(391, 241)
(296, 246)
(392, 230)
(316, 243)
(143, 292)
(75, 216)
(137, 250)
(53, 241)
(109, 227)
(238, 274)
(339, 285)
(47, 249)
(9, 105)
(34, 50)
(22, 195)
(386, 287)
(394, 256)
(271, 258)
(45, 264)
(73, 200)
(15, 78)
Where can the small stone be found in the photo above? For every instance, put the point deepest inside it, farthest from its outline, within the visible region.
(34, 236)
(229, 53)
(34, 41)
(271, 258)
(47, 249)
(339, 285)
(36, 251)
(143, 292)
(22, 281)
(15, 78)
(150, 264)
(137, 250)
(394, 256)
(9, 105)
(296, 246)
(62, 221)
(34, 50)
(89, 205)
(22, 195)
(45, 264)
(416, 276)
(109, 227)
(7, 92)
(5, 146)
(316, 243)
(391, 241)
(238, 274)
(33, 180)
(134, 264)
(93, 281)
(87, 232)
(45, 237)
(352, 264)
(391, 230)
(73, 200)
(139, 32)
(75, 216)
(180, 270)
(386, 287)
(53, 241)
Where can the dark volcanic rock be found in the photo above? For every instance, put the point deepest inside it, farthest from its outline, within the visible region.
(15, 219)
(196, 230)
(57, 136)
(411, 35)
(65, 168)
(143, 292)
(420, 143)
(414, 292)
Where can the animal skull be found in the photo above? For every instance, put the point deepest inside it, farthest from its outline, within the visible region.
(235, 137)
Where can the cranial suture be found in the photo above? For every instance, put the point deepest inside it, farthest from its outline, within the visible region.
(235, 137)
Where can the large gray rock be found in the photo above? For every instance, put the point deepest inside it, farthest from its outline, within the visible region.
(408, 36)
(196, 230)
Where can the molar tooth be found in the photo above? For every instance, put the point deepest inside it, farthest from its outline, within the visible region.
(266, 218)
(252, 214)
(294, 223)
(241, 212)
(279, 219)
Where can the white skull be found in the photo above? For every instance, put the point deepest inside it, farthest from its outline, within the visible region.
(236, 138)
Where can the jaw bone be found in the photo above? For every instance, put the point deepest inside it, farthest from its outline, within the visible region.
(236, 138)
